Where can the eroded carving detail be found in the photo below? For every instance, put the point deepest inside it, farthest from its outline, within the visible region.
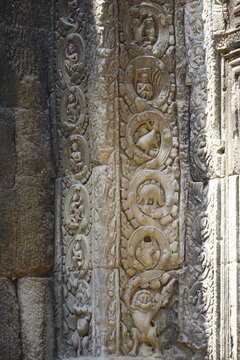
(147, 80)
(150, 174)
(73, 110)
(148, 137)
(76, 157)
(196, 78)
(75, 335)
(70, 59)
(147, 28)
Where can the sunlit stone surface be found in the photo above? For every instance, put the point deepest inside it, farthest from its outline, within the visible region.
(119, 179)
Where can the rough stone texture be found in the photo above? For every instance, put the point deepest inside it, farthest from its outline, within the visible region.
(10, 344)
(137, 104)
(164, 136)
(26, 170)
(36, 315)
(26, 161)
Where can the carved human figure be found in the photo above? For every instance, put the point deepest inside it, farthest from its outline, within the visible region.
(149, 31)
(144, 308)
(144, 88)
(74, 18)
(73, 108)
(146, 253)
(151, 194)
(77, 255)
(144, 30)
(76, 158)
(72, 65)
(76, 210)
(149, 140)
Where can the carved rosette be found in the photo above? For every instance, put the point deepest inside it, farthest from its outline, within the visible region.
(150, 174)
(75, 333)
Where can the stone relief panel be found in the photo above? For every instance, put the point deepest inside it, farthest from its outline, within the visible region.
(147, 28)
(74, 337)
(124, 287)
(197, 80)
(149, 176)
(103, 111)
(70, 59)
(148, 138)
(73, 111)
(197, 286)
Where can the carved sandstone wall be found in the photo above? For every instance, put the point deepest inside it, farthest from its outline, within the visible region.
(135, 106)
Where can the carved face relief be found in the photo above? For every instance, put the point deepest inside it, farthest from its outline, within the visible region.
(148, 249)
(76, 156)
(147, 80)
(73, 110)
(150, 196)
(76, 208)
(71, 59)
(143, 300)
(147, 28)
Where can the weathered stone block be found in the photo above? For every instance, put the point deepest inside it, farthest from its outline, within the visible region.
(10, 345)
(33, 143)
(7, 148)
(8, 231)
(36, 315)
(35, 226)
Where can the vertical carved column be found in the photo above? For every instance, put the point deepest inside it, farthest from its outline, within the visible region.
(228, 45)
(149, 176)
(74, 262)
(199, 302)
(103, 113)
(86, 267)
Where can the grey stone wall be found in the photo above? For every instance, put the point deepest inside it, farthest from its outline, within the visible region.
(26, 179)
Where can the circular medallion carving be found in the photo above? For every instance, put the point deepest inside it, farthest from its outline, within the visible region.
(76, 156)
(70, 59)
(148, 249)
(147, 80)
(77, 255)
(76, 208)
(73, 109)
(148, 137)
(148, 28)
(150, 196)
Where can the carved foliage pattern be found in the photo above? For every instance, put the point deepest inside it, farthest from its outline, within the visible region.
(76, 186)
(149, 173)
(197, 80)
(104, 138)
(197, 287)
